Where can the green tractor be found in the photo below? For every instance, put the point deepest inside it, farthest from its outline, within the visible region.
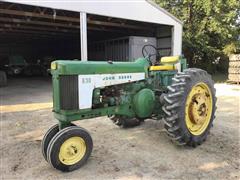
(128, 93)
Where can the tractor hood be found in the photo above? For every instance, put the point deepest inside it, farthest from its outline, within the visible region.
(68, 67)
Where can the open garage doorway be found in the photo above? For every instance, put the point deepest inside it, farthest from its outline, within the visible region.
(33, 36)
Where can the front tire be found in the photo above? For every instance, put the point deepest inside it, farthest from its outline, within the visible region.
(189, 107)
(69, 149)
(47, 138)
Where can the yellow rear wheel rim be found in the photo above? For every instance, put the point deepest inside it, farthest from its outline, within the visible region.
(198, 110)
(72, 150)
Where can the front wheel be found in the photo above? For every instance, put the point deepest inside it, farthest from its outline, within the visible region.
(47, 138)
(70, 148)
(189, 107)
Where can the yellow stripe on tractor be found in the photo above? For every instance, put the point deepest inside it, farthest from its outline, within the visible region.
(162, 68)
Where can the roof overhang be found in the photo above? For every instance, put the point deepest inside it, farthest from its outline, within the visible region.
(138, 10)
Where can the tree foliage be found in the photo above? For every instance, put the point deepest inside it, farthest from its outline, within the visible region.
(210, 32)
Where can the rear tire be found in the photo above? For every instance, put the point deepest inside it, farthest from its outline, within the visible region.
(189, 107)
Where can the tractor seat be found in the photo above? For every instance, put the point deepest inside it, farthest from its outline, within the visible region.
(167, 63)
(170, 59)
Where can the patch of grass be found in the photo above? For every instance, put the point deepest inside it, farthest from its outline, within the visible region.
(220, 77)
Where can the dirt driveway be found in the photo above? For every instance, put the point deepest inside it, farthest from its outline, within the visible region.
(142, 152)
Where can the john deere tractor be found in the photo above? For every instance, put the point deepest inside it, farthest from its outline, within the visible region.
(128, 93)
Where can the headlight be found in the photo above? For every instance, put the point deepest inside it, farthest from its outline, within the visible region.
(53, 65)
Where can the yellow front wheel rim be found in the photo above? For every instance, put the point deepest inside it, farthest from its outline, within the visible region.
(198, 110)
(72, 150)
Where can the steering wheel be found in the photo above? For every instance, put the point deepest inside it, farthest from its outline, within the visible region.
(149, 55)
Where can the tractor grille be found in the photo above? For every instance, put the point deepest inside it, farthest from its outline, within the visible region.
(69, 92)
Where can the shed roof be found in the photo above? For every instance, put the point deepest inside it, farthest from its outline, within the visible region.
(138, 10)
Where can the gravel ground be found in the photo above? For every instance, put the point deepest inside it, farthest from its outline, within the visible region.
(143, 152)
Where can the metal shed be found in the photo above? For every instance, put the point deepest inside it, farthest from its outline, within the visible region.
(134, 16)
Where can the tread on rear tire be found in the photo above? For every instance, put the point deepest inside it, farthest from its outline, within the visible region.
(175, 104)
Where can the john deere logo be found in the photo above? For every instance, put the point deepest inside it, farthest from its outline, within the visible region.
(119, 77)
(125, 77)
(109, 78)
